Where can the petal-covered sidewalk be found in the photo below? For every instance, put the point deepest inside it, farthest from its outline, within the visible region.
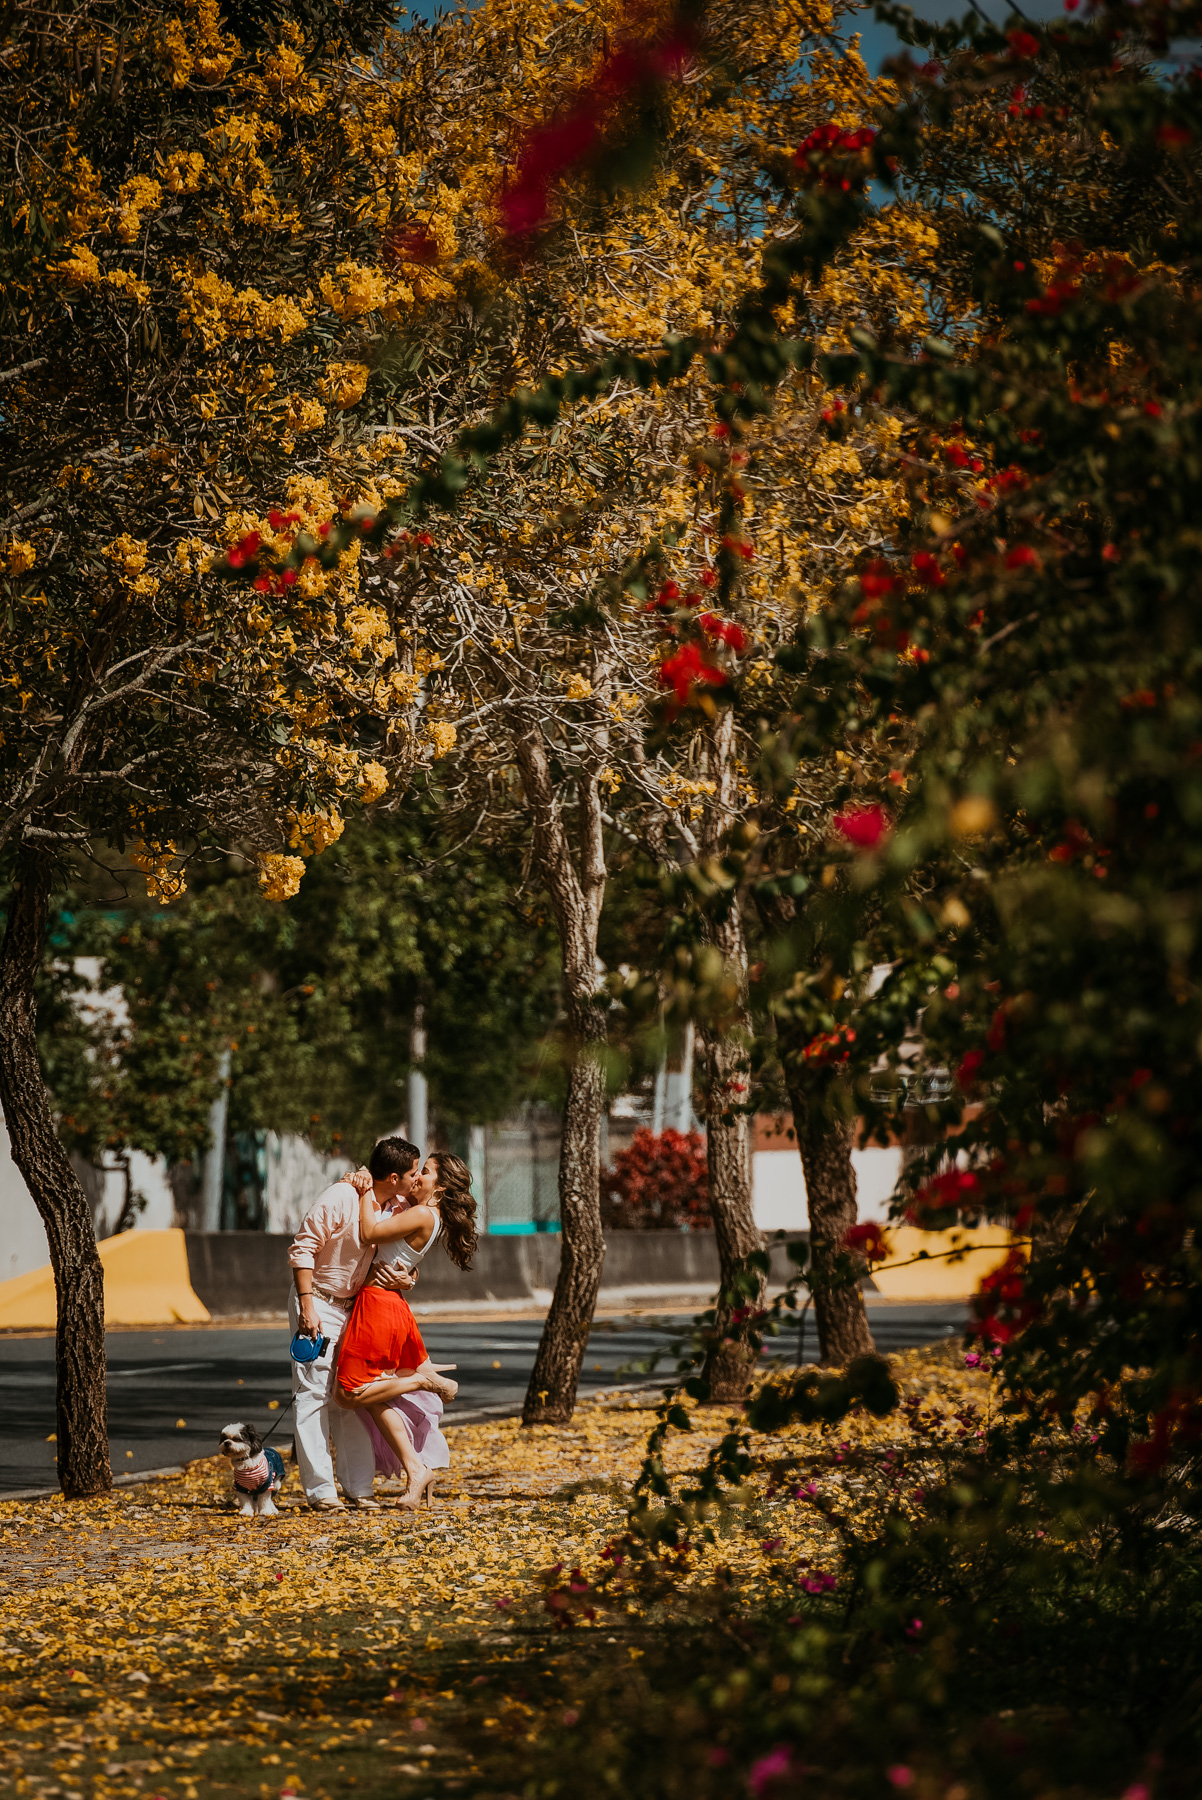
(154, 1644)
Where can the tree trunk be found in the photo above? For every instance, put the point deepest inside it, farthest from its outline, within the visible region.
(83, 1452)
(728, 1129)
(551, 1395)
(576, 901)
(825, 1144)
(824, 1141)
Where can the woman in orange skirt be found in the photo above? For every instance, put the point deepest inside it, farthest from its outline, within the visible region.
(383, 1366)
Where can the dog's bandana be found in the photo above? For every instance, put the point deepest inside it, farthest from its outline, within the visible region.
(266, 1470)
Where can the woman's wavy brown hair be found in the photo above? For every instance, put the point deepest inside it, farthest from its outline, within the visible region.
(456, 1207)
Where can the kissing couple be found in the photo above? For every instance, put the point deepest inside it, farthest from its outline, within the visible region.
(374, 1390)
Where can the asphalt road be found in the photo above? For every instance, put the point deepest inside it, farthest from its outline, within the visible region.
(170, 1392)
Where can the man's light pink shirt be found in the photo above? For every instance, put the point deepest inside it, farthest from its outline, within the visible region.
(328, 1243)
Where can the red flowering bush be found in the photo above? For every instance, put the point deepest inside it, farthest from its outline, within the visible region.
(659, 1184)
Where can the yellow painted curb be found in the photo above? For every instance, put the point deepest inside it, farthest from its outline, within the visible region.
(146, 1282)
(943, 1277)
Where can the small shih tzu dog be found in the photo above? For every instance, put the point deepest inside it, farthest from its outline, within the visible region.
(258, 1472)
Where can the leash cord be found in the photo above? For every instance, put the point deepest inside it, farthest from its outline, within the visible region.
(280, 1420)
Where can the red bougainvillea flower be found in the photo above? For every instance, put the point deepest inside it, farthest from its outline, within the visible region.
(552, 150)
(1174, 1427)
(830, 1046)
(927, 569)
(764, 1776)
(1021, 556)
(410, 242)
(1056, 297)
(826, 155)
(957, 1190)
(970, 1068)
(869, 1240)
(1174, 137)
(863, 826)
(244, 551)
(687, 668)
(1023, 44)
(876, 581)
(725, 630)
(1000, 1302)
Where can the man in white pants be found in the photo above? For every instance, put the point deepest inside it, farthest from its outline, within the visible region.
(329, 1266)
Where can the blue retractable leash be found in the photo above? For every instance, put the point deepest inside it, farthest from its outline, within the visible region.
(302, 1349)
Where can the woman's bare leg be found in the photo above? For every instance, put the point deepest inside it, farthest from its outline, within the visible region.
(405, 1381)
(393, 1432)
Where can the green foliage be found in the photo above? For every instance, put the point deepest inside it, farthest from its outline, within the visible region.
(314, 1000)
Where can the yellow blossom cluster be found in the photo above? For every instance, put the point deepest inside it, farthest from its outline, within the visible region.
(165, 881)
(280, 876)
(313, 832)
(214, 309)
(17, 556)
(345, 383)
(441, 736)
(372, 784)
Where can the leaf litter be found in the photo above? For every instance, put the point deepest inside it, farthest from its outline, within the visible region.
(154, 1643)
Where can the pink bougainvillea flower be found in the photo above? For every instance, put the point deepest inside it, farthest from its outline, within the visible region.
(763, 1775)
(899, 1776)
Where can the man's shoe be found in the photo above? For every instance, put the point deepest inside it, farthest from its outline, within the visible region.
(326, 1506)
(363, 1503)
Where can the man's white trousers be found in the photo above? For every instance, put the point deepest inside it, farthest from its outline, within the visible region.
(319, 1417)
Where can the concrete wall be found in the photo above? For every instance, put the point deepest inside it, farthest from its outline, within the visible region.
(779, 1189)
(247, 1271)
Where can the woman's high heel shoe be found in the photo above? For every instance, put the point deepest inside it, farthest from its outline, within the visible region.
(418, 1491)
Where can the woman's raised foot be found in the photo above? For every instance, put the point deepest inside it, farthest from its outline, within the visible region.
(420, 1488)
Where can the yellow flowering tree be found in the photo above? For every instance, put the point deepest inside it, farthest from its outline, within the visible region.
(184, 276)
(539, 669)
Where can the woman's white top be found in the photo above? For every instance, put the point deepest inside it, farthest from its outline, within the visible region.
(400, 1250)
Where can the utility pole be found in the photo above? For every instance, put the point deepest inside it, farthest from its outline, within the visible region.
(418, 1092)
(679, 1087)
(213, 1167)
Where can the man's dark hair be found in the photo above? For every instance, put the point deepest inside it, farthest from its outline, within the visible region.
(392, 1156)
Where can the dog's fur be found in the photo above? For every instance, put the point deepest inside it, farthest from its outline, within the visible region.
(242, 1444)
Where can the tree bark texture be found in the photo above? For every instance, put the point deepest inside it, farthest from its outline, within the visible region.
(825, 1143)
(728, 1130)
(82, 1423)
(576, 899)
